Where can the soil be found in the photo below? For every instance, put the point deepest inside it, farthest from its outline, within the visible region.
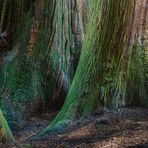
(125, 128)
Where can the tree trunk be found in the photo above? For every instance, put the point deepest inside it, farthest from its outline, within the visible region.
(44, 35)
(103, 69)
(41, 61)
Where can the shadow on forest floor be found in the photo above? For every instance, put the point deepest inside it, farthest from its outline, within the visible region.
(127, 128)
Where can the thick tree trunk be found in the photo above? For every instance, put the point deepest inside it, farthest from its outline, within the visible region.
(48, 31)
(101, 75)
(95, 54)
(45, 48)
(12, 13)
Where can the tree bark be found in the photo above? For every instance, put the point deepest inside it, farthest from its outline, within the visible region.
(44, 61)
(104, 44)
(41, 35)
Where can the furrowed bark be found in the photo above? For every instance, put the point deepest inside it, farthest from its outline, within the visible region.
(104, 42)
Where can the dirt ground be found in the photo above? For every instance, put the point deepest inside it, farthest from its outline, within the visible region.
(123, 129)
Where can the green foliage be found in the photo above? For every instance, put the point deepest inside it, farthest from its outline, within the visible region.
(102, 127)
(27, 145)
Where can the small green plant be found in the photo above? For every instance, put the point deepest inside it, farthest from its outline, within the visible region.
(102, 127)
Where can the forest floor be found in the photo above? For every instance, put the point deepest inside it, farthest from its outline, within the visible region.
(125, 128)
